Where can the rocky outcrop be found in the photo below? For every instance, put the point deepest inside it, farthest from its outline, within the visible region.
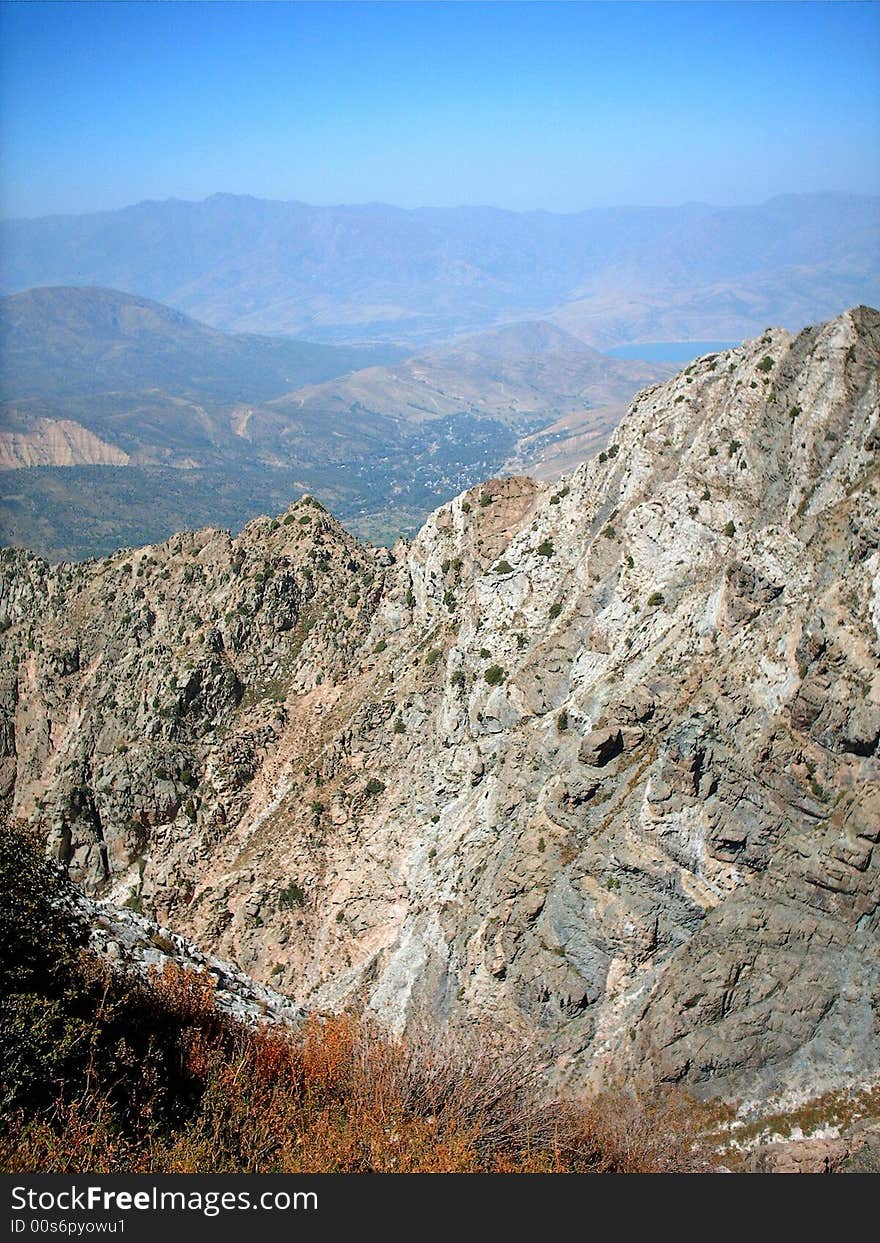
(598, 761)
(133, 945)
(35, 441)
(133, 686)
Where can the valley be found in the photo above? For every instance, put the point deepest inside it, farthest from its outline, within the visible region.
(130, 392)
(439, 611)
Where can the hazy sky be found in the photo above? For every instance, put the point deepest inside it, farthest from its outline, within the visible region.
(517, 105)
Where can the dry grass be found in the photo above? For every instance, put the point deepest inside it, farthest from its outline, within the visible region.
(335, 1095)
(850, 1111)
(105, 1072)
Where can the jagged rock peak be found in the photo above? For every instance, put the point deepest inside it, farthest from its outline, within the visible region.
(599, 760)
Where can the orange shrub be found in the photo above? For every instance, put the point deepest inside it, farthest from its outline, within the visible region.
(175, 1086)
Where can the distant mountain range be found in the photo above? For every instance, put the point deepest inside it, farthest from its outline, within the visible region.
(94, 378)
(376, 272)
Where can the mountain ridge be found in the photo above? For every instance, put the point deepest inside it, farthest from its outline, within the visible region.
(104, 328)
(597, 761)
(352, 273)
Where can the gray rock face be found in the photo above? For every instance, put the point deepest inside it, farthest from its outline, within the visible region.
(597, 761)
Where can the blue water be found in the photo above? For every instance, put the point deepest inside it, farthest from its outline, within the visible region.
(670, 351)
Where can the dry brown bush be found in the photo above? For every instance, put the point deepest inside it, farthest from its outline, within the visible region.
(107, 1072)
(340, 1095)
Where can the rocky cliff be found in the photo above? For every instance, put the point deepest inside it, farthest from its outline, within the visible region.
(599, 760)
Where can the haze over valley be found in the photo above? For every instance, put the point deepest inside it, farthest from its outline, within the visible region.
(106, 395)
(446, 346)
(352, 274)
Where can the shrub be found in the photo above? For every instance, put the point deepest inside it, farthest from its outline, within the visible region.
(41, 1018)
(147, 1076)
(503, 567)
(730, 530)
(494, 675)
(555, 609)
(655, 598)
(485, 499)
(766, 364)
(562, 721)
(67, 1024)
(374, 786)
(627, 1133)
(545, 548)
(380, 647)
(290, 896)
(338, 1094)
(433, 656)
(399, 727)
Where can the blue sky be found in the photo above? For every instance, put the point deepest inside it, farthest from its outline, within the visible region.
(540, 105)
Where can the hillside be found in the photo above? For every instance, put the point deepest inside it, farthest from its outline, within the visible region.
(65, 342)
(515, 374)
(95, 379)
(598, 762)
(379, 272)
(124, 1049)
(94, 376)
